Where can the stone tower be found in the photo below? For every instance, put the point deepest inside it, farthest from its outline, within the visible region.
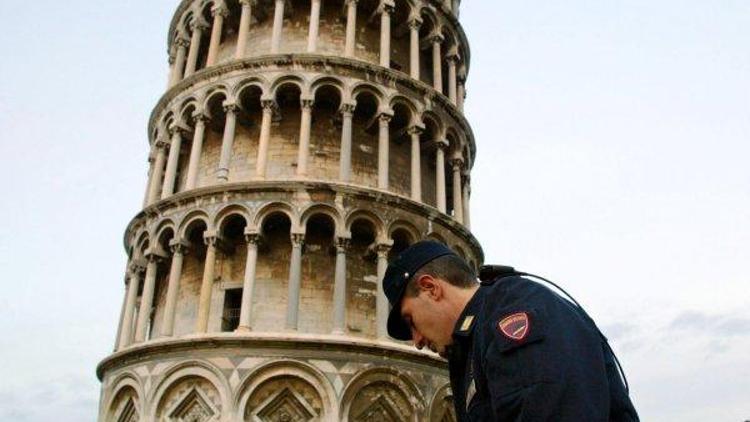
(300, 144)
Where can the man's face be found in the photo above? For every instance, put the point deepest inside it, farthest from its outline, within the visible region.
(431, 325)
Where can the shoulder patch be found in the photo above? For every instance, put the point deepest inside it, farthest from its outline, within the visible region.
(515, 326)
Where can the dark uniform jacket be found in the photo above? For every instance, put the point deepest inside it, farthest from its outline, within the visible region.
(523, 353)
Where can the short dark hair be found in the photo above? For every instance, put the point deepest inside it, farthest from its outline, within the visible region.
(450, 268)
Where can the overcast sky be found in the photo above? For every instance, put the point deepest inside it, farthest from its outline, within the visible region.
(613, 141)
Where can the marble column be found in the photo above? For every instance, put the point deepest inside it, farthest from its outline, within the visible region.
(304, 136)
(179, 250)
(467, 202)
(242, 35)
(458, 202)
(351, 28)
(312, 35)
(416, 163)
(440, 175)
(248, 285)
(345, 159)
(179, 61)
(195, 43)
(196, 150)
(339, 287)
(158, 173)
(265, 138)
(386, 9)
(452, 82)
(230, 126)
(384, 141)
(381, 302)
(207, 284)
(278, 23)
(437, 63)
(414, 26)
(126, 333)
(216, 29)
(295, 281)
(170, 177)
(147, 299)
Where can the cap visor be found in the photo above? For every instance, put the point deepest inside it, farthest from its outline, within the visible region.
(397, 328)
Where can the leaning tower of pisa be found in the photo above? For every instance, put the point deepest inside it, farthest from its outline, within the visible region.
(300, 144)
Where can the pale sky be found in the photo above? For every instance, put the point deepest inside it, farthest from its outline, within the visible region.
(612, 157)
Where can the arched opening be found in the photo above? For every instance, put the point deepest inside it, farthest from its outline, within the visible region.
(400, 156)
(192, 275)
(163, 249)
(213, 139)
(365, 140)
(402, 239)
(427, 139)
(400, 37)
(362, 277)
(318, 273)
(272, 273)
(248, 132)
(426, 32)
(367, 40)
(325, 140)
(284, 145)
(231, 265)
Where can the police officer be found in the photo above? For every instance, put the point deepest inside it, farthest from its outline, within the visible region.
(516, 350)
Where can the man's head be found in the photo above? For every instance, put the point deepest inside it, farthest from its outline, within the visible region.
(428, 286)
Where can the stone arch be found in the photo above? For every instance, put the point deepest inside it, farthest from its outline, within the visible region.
(287, 79)
(398, 99)
(381, 394)
(441, 406)
(432, 120)
(213, 94)
(202, 374)
(372, 218)
(231, 210)
(142, 243)
(258, 82)
(332, 82)
(328, 210)
(125, 384)
(188, 106)
(276, 207)
(436, 237)
(402, 234)
(189, 221)
(284, 373)
(407, 227)
(360, 88)
(165, 232)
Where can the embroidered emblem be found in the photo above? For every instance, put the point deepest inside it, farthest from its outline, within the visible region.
(515, 326)
(467, 323)
(470, 393)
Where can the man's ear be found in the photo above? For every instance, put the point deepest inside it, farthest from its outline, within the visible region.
(430, 285)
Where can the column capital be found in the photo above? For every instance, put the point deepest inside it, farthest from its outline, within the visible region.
(441, 144)
(249, 2)
(179, 246)
(387, 6)
(199, 24)
(415, 130)
(199, 116)
(457, 163)
(220, 10)
(306, 102)
(135, 269)
(452, 57)
(415, 22)
(382, 249)
(436, 38)
(252, 238)
(342, 244)
(385, 118)
(269, 104)
(160, 143)
(211, 238)
(348, 108)
(180, 128)
(154, 255)
(298, 239)
(230, 107)
(181, 41)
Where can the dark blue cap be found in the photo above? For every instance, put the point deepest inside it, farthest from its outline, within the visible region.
(399, 273)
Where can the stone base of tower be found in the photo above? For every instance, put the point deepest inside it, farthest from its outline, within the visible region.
(273, 377)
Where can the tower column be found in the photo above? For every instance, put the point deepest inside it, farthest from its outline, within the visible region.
(437, 63)
(147, 298)
(440, 175)
(304, 136)
(458, 202)
(351, 27)
(467, 202)
(339, 287)
(213, 47)
(345, 160)
(158, 172)
(179, 61)
(230, 126)
(386, 9)
(244, 28)
(381, 302)
(452, 82)
(195, 44)
(278, 23)
(265, 138)
(248, 285)
(196, 150)
(383, 150)
(312, 36)
(295, 281)
(207, 284)
(174, 157)
(175, 274)
(414, 26)
(126, 333)
(416, 163)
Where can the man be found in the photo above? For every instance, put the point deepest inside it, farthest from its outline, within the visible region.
(516, 350)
